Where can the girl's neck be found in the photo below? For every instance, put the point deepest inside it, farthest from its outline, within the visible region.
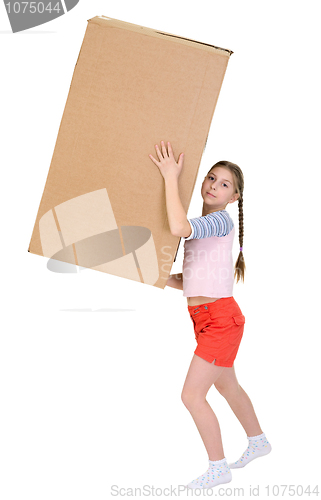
(206, 211)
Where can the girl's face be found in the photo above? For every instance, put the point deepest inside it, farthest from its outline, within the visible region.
(218, 189)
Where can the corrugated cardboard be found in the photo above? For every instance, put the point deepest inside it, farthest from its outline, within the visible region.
(103, 205)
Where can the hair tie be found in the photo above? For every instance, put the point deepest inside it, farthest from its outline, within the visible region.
(241, 249)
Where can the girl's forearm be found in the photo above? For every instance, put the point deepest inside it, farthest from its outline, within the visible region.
(176, 214)
(175, 281)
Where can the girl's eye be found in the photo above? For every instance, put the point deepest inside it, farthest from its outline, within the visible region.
(211, 177)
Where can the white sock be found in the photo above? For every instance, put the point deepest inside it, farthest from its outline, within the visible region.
(218, 472)
(258, 446)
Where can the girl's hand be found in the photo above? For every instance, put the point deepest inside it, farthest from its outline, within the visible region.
(167, 164)
(175, 281)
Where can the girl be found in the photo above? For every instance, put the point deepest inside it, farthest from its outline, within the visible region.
(207, 282)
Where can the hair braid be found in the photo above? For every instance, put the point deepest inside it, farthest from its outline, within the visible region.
(240, 264)
(239, 187)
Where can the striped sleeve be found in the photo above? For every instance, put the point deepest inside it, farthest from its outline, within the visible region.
(214, 224)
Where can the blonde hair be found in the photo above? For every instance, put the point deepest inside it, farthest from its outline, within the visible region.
(239, 187)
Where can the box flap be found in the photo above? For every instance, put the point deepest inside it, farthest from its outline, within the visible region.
(105, 21)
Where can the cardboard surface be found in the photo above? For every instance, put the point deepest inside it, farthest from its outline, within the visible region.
(103, 205)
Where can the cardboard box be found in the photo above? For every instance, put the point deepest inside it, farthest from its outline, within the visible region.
(103, 205)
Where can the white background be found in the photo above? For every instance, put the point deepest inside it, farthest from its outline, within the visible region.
(93, 399)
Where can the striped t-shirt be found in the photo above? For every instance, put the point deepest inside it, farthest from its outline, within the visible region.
(214, 224)
(208, 264)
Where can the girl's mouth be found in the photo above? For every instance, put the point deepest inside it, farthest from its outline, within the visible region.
(211, 195)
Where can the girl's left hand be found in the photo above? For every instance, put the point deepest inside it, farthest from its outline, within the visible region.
(167, 164)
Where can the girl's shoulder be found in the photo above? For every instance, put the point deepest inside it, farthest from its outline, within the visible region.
(217, 223)
(220, 212)
(221, 215)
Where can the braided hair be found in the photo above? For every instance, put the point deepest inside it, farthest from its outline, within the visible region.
(239, 187)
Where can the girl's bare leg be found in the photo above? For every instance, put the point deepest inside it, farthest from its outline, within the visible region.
(200, 376)
(240, 403)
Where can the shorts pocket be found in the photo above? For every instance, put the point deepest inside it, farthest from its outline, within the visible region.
(236, 333)
(239, 319)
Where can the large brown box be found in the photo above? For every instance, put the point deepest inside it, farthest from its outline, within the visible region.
(103, 205)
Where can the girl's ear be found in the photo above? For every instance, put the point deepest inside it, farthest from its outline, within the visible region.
(234, 198)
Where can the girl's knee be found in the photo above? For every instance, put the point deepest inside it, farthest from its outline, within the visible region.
(227, 389)
(186, 397)
(221, 388)
(191, 399)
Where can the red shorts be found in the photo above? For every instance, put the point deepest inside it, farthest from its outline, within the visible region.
(218, 328)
